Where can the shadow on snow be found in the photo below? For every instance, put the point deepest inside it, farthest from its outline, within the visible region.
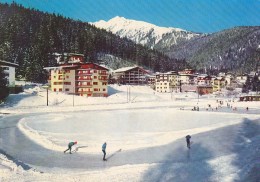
(248, 145)
(182, 164)
(193, 165)
(13, 99)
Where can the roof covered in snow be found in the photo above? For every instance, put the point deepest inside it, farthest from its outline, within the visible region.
(5, 63)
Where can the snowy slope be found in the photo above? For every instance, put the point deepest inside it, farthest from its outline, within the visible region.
(145, 33)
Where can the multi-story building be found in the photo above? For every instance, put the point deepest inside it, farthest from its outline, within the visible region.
(241, 79)
(203, 80)
(131, 75)
(151, 81)
(187, 76)
(9, 70)
(77, 77)
(204, 89)
(167, 82)
(229, 78)
(92, 80)
(218, 84)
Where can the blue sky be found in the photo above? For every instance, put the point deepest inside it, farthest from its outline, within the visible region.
(195, 15)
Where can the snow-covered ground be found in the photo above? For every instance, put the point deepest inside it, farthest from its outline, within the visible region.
(145, 134)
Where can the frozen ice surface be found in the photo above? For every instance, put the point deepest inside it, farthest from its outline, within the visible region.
(149, 130)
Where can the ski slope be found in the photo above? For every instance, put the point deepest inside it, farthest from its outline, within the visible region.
(149, 129)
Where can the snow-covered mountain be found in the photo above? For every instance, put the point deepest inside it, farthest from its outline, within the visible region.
(144, 33)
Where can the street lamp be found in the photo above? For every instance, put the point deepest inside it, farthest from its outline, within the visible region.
(73, 95)
(47, 88)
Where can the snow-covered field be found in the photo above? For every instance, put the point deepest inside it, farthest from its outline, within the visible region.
(145, 136)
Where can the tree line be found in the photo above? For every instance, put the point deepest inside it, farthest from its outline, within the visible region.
(30, 37)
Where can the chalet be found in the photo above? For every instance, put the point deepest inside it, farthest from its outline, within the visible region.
(203, 80)
(167, 82)
(188, 88)
(69, 58)
(187, 76)
(77, 77)
(9, 70)
(229, 78)
(241, 79)
(204, 89)
(250, 98)
(218, 84)
(151, 81)
(131, 75)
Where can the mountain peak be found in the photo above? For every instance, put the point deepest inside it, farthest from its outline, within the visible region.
(143, 32)
(117, 18)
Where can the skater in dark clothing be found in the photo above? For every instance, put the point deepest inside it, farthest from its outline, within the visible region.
(104, 146)
(188, 137)
(70, 145)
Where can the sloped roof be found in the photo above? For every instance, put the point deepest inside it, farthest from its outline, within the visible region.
(125, 69)
(120, 70)
(5, 63)
(61, 67)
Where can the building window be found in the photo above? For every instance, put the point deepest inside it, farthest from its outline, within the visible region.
(95, 89)
(95, 71)
(60, 89)
(95, 77)
(54, 76)
(67, 76)
(104, 83)
(67, 89)
(104, 89)
(54, 90)
(95, 83)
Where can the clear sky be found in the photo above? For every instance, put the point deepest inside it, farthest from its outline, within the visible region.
(194, 15)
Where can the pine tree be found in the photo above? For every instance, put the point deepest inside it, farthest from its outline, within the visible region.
(29, 38)
(3, 86)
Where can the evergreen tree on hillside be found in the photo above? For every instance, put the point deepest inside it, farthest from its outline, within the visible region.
(3, 87)
(28, 38)
(3, 80)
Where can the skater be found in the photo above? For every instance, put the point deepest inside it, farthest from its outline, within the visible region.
(188, 137)
(104, 146)
(70, 145)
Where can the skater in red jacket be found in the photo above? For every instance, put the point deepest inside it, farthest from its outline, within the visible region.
(70, 145)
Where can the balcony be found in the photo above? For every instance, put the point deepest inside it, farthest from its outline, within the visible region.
(84, 92)
(103, 79)
(82, 74)
(105, 74)
(83, 86)
(84, 79)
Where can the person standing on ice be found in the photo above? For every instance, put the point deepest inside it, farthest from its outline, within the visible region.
(70, 145)
(188, 137)
(104, 146)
